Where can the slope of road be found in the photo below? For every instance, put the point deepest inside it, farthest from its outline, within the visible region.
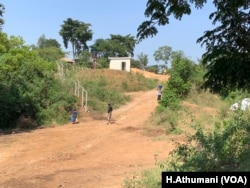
(88, 155)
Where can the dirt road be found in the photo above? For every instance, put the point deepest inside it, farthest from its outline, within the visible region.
(90, 154)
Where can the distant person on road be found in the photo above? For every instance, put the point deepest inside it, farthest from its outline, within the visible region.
(74, 116)
(159, 92)
(158, 95)
(159, 87)
(109, 111)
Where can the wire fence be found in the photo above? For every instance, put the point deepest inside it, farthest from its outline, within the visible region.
(79, 90)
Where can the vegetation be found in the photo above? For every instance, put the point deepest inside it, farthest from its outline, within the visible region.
(30, 94)
(48, 49)
(143, 60)
(213, 143)
(1, 15)
(163, 54)
(227, 46)
(116, 46)
(33, 96)
(180, 82)
(77, 33)
(104, 89)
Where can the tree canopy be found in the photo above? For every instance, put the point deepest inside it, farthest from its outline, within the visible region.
(43, 42)
(77, 33)
(143, 60)
(163, 53)
(1, 15)
(29, 89)
(48, 49)
(116, 45)
(227, 55)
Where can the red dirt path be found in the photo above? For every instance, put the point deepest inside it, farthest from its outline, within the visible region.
(90, 154)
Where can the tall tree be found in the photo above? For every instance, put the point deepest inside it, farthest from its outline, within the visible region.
(143, 60)
(1, 15)
(228, 48)
(43, 42)
(77, 33)
(48, 49)
(116, 45)
(163, 53)
(227, 53)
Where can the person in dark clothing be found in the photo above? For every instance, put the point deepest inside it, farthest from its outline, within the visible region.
(159, 92)
(159, 87)
(110, 109)
(74, 116)
(159, 95)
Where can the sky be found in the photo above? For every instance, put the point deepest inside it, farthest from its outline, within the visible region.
(30, 19)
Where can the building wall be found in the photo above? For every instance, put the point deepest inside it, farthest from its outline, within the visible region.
(120, 63)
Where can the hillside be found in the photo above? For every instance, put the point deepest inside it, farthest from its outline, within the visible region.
(89, 154)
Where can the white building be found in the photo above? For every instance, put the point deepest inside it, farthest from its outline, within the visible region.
(120, 63)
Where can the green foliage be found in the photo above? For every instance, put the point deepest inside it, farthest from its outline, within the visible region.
(153, 68)
(103, 88)
(77, 33)
(28, 86)
(180, 82)
(224, 149)
(170, 98)
(148, 179)
(227, 45)
(168, 118)
(143, 60)
(50, 53)
(228, 51)
(84, 59)
(115, 46)
(48, 49)
(45, 43)
(181, 87)
(163, 53)
(2, 8)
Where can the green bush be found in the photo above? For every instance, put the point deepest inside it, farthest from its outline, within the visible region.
(224, 149)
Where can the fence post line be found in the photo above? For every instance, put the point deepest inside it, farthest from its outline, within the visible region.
(75, 86)
(86, 100)
(60, 70)
(78, 85)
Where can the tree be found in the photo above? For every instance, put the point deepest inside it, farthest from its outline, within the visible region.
(163, 54)
(143, 60)
(116, 45)
(43, 42)
(28, 86)
(228, 46)
(77, 33)
(48, 49)
(180, 81)
(1, 15)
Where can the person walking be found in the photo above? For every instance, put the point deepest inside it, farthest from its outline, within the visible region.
(74, 116)
(159, 95)
(159, 92)
(110, 109)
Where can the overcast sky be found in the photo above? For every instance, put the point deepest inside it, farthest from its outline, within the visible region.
(31, 19)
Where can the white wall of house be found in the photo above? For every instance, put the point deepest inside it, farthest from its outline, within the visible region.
(120, 63)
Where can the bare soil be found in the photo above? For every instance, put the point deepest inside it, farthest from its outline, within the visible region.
(89, 154)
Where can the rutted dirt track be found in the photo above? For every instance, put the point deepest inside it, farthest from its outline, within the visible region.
(90, 154)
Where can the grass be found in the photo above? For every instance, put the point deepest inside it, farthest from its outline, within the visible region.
(109, 86)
